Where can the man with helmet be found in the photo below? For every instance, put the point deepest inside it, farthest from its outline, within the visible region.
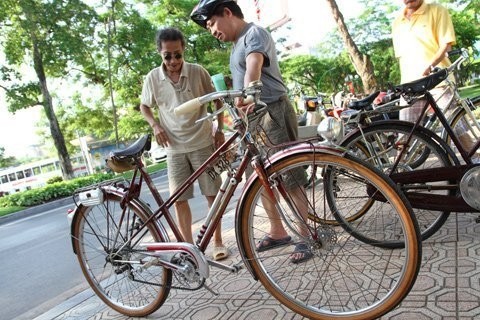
(254, 57)
(188, 144)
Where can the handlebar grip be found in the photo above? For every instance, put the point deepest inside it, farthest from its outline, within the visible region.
(454, 52)
(187, 107)
(249, 99)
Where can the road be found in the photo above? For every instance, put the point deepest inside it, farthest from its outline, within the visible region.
(38, 267)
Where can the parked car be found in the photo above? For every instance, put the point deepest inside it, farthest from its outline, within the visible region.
(158, 154)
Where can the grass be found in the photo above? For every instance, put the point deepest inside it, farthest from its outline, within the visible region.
(6, 211)
(470, 91)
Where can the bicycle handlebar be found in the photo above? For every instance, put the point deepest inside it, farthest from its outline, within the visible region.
(463, 56)
(437, 76)
(250, 93)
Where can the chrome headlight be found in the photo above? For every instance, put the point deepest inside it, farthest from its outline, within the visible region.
(330, 129)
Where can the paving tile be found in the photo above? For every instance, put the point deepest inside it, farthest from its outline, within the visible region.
(447, 287)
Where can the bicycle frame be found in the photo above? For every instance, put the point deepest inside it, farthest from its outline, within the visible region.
(455, 173)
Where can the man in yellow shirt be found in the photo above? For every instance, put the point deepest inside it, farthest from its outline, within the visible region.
(422, 35)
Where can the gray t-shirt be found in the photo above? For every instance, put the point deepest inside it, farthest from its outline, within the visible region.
(257, 39)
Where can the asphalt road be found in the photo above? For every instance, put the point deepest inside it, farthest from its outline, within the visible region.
(38, 269)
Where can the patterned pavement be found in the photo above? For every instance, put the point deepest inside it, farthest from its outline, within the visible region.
(448, 286)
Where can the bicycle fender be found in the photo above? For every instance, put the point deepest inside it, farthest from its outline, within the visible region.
(436, 138)
(295, 149)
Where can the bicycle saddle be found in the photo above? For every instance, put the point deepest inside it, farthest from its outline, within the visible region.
(135, 149)
(364, 103)
(422, 85)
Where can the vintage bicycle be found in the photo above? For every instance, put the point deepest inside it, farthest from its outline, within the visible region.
(132, 253)
(420, 160)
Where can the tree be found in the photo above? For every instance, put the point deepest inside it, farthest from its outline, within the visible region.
(48, 37)
(315, 75)
(5, 161)
(361, 62)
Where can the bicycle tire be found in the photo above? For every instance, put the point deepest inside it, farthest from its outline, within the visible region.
(344, 279)
(439, 155)
(460, 126)
(134, 290)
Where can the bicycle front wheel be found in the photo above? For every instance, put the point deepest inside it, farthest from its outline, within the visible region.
(107, 243)
(344, 277)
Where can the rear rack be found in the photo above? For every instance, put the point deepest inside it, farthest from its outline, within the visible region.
(93, 194)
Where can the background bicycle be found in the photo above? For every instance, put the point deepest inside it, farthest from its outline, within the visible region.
(405, 149)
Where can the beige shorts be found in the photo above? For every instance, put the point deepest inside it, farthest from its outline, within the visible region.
(444, 99)
(181, 165)
(279, 125)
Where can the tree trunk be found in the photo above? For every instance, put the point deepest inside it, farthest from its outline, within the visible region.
(363, 65)
(57, 136)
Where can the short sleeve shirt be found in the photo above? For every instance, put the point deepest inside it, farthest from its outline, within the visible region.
(416, 41)
(257, 39)
(160, 92)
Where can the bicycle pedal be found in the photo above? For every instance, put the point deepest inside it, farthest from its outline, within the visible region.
(232, 269)
(210, 290)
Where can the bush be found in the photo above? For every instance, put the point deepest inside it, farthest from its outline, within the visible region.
(54, 179)
(51, 192)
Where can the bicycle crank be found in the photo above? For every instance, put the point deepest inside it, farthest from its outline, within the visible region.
(182, 257)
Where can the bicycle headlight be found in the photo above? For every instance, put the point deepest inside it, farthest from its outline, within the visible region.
(330, 129)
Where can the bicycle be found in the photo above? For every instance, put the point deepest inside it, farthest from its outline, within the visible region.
(129, 260)
(404, 149)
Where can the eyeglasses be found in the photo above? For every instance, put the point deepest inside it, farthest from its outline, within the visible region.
(169, 56)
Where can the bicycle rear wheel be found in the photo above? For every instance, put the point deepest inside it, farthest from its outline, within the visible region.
(380, 144)
(345, 278)
(107, 245)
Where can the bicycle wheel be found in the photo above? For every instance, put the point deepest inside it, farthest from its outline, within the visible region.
(380, 144)
(313, 182)
(345, 278)
(106, 242)
(465, 125)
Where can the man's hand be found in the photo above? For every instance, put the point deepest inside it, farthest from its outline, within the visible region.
(219, 138)
(245, 107)
(160, 135)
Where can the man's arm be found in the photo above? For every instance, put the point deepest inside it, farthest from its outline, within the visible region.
(160, 135)
(438, 57)
(254, 64)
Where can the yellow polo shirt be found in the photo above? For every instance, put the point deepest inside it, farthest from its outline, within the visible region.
(416, 41)
(160, 92)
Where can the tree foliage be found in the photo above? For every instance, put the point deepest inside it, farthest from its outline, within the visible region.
(110, 46)
(4, 160)
(47, 37)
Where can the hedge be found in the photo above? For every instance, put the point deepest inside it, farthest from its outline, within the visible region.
(51, 192)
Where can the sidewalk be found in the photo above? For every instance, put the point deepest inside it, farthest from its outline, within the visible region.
(448, 286)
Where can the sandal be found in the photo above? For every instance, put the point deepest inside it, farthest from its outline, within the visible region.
(303, 249)
(220, 253)
(268, 243)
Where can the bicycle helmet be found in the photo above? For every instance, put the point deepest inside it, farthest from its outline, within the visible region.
(204, 11)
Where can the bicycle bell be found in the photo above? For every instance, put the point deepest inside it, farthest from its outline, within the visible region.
(470, 187)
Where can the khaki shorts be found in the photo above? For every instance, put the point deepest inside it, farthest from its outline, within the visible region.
(181, 165)
(278, 126)
(443, 97)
